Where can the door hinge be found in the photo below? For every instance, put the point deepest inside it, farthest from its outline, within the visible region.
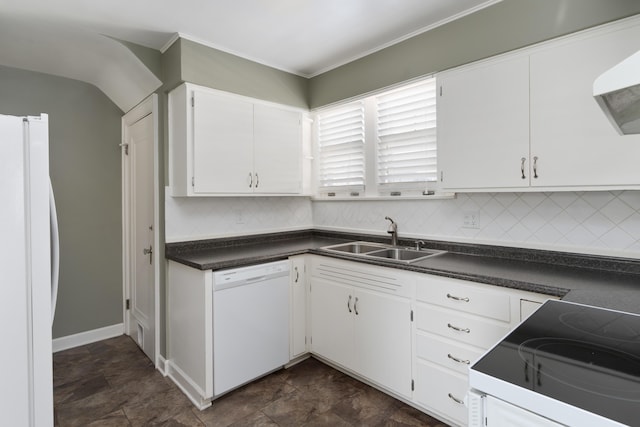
(126, 148)
(441, 176)
(193, 181)
(413, 385)
(440, 90)
(128, 304)
(193, 101)
(412, 315)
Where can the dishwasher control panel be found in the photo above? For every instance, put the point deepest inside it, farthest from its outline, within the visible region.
(224, 279)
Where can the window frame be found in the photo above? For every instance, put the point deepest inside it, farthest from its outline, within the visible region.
(372, 188)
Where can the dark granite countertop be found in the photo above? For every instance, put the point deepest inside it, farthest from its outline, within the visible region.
(594, 280)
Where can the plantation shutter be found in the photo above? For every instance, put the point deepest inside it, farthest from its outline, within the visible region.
(406, 129)
(341, 148)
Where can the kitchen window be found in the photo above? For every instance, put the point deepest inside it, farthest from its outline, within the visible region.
(381, 145)
(340, 135)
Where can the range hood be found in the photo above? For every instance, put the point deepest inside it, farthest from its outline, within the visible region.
(618, 94)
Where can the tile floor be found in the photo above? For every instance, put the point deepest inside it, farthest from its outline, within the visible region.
(112, 383)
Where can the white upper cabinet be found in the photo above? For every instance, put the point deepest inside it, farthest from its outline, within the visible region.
(277, 150)
(573, 140)
(225, 144)
(527, 121)
(483, 125)
(222, 144)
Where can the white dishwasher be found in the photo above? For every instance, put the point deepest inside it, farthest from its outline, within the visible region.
(250, 323)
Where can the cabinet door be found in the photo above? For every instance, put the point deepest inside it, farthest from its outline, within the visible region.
(222, 143)
(443, 391)
(277, 150)
(298, 307)
(573, 140)
(382, 339)
(332, 321)
(483, 125)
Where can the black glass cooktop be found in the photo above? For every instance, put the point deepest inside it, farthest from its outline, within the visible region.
(584, 356)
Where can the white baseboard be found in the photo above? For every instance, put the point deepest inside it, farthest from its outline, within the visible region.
(82, 338)
(161, 365)
(188, 386)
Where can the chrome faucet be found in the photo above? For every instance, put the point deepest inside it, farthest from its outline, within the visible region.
(393, 230)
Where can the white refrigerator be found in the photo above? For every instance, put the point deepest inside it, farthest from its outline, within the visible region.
(29, 261)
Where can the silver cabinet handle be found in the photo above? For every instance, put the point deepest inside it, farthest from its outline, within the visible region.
(522, 160)
(453, 297)
(455, 359)
(455, 328)
(297, 274)
(250, 180)
(349, 304)
(355, 306)
(455, 399)
(257, 180)
(535, 167)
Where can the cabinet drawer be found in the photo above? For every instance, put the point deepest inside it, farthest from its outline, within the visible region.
(436, 388)
(465, 328)
(445, 353)
(462, 296)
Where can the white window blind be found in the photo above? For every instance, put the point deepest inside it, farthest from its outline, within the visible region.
(341, 148)
(406, 129)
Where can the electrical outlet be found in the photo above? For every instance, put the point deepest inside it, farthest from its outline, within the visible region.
(471, 219)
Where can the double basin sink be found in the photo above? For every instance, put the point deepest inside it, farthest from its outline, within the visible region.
(381, 251)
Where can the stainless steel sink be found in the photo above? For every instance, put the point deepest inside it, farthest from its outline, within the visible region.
(355, 247)
(401, 254)
(381, 251)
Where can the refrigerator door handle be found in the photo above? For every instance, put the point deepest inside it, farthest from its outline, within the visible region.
(55, 251)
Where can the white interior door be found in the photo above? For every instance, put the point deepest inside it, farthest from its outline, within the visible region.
(141, 313)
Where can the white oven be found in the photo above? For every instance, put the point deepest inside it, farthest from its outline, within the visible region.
(567, 364)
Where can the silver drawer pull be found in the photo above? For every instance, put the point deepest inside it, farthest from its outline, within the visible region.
(455, 399)
(455, 359)
(455, 328)
(453, 297)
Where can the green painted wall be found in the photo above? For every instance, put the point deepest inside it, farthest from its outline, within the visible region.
(505, 26)
(151, 58)
(220, 70)
(84, 133)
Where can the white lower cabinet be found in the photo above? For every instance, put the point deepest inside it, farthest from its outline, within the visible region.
(382, 337)
(332, 321)
(442, 392)
(190, 331)
(456, 321)
(298, 307)
(361, 320)
(413, 335)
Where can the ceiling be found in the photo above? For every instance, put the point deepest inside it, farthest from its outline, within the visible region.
(78, 39)
(304, 37)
